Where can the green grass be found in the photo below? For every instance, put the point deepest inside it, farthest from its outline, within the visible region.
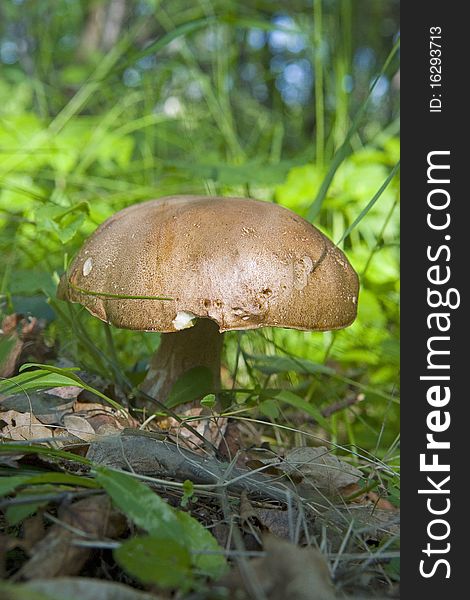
(70, 163)
(171, 108)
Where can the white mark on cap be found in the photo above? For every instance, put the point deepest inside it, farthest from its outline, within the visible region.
(87, 267)
(183, 320)
(302, 269)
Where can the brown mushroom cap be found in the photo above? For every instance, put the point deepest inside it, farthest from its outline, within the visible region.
(243, 263)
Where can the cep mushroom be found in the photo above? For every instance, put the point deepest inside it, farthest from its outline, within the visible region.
(223, 264)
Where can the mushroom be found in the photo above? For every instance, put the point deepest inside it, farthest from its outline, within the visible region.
(195, 267)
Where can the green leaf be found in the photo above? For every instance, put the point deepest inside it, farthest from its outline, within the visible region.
(17, 513)
(47, 376)
(192, 385)
(63, 221)
(199, 540)
(34, 380)
(283, 364)
(301, 185)
(158, 560)
(63, 479)
(29, 282)
(269, 408)
(393, 569)
(297, 402)
(188, 492)
(15, 448)
(253, 172)
(209, 401)
(144, 507)
(149, 512)
(9, 484)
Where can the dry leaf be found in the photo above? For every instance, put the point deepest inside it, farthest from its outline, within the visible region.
(378, 501)
(23, 426)
(33, 531)
(280, 523)
(107, 418)
(248, 519)
(369, 497)
(83, 588)
(318, 469)
(48, 406)
(7, 543)
(276, 521)
(286, 571)
(10, 362)
(213, 429)
(56, 555)
(25, 334)
(79, 427)
(373, 523)
(230, 444)
(247, 512)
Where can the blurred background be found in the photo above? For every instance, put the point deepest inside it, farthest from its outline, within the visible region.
(104, 103)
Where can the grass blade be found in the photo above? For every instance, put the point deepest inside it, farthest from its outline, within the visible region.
(370, 204)
(344, 150)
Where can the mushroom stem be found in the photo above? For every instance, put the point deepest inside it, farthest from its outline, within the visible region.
(197, 346)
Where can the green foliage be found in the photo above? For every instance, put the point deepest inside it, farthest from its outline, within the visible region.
(15, 449)
(270, 100)
(46, 377)
(188, 493)
(294, 103)
(63, 221)
(306, 407)
(10, 484)
(17, 514)
(209, 401)
(176, 541)
(27, 487)
(157, 560)
(193, 385)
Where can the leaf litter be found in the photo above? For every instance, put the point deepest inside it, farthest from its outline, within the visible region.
(284, 505)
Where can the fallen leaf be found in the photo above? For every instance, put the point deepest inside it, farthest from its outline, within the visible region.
(23, 426)
(230, 444)
(32, 531)
(103, 418)
(23, 336)
(368, 497)
(374, 524)
(84, 588)
(248, 518)
(316, 468)
(48, 406)
(287, 571)
(278, 522)
(247, 512)
(55, 554)
(378, 501)
(79, 427)
(10, 350)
